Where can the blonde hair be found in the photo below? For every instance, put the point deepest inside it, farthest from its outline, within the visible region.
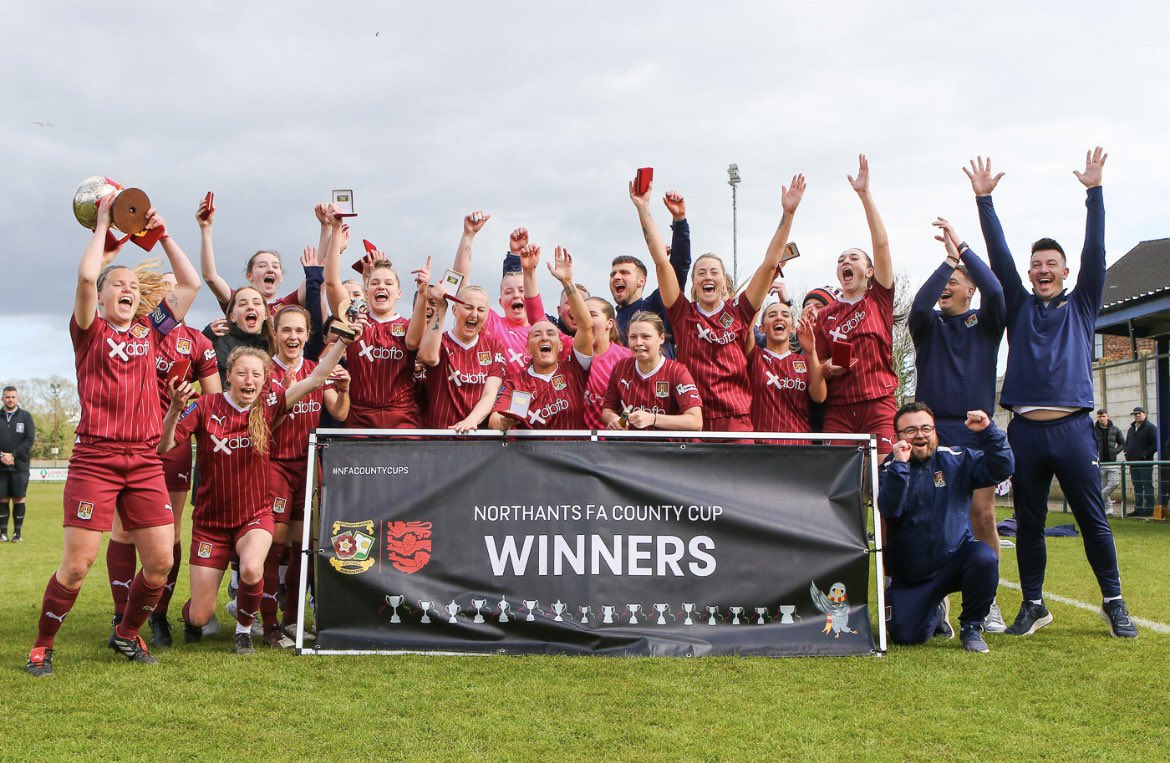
(474, 289)
(151, 286)
(384, 264)
(258, 431)
(728, 286)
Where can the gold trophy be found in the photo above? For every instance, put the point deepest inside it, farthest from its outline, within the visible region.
(128, 213)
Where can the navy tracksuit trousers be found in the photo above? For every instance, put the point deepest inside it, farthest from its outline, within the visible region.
(972, 569)
(1064, 448)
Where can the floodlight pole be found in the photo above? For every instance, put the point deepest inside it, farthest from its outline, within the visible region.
(733, 181)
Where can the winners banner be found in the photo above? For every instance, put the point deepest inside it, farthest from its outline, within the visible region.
(634, 547)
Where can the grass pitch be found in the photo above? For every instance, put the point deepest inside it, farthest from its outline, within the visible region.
(1070, 692)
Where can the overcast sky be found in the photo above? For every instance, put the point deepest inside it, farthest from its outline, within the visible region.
(541, 113)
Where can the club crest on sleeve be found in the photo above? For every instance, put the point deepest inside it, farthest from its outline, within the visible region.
(85, 509)
(662, 389)
(559, 383)
(726, 320)
(939, 480)
(204, 551)
(971, 321)
(183, 346)
(799, 367)
(278, 505)
(485, 358)
(138, 331)
(398, 329)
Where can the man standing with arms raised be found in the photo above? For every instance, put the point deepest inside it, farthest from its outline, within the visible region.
(1048, 386)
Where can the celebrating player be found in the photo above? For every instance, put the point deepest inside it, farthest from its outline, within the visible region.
(381, 362)
(233, 508)
(858, 330)
(186, 355)
(114, 466)
(649, 390)
(549, 393)
(783, 382)
(711, 327)
(289, 463)
(1048, 386)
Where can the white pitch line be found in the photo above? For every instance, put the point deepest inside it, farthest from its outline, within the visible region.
(1148, 624)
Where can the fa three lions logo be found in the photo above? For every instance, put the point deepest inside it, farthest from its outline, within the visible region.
(408, 545)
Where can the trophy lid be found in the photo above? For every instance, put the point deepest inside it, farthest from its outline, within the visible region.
(129, 211)
(86, 196)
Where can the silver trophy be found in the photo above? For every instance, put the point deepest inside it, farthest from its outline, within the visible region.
(559, 608)
(479, 603)
(607, 611)
(504, 605)
(425, 606)
(585, 611)
(736, 611)
(712, 609)
(689, 609)
(661, 610)
(761, 611)
(530, 605)
(786, 611)
(633, 609)
(452, 610)
(395, 602)
(349, 312)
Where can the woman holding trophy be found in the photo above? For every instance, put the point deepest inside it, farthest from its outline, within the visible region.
(114, 467)
(381, 363)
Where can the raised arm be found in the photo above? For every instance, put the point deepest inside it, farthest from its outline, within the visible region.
(680, 236)
(1091, 276)
(219, 287)
(418, 321)
(432, 339)
(329, 361)
(562, 270)
(992, 307)
(314, 277)
(180, 393)
(883, 265)
(335, 290)
(983, 182)
(472, 224)
(85, 299)
(922, 307)
(187, 283)
(529, 259)
(668, 284)
(762, 279)
(994, 461)
(818, 388)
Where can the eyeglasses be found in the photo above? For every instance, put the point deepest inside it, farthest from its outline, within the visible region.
(912, 431)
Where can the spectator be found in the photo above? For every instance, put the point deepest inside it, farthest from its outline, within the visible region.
(1141, 444)
(1109, 444)
(17, 434)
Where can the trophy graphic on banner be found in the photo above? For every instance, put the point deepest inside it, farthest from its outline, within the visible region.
(585, 611)
(559, 608)
(479, 604)
(761, 611)
(713, 610)
(128, 213)
(504, 605)
(689, 609)
(349, 312)
(395, 602)
(736, 612)
(607, 611)
(786, 611)
(530, 605)
(452, 610)
(633, 609)
(425, 606)
(661, 610)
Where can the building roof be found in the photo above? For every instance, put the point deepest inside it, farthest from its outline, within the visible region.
(1142, 272)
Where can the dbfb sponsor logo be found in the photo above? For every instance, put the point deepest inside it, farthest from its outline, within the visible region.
(304, 406)
(459, 378)
(542, 415)
(126, 350)
(371, 352)
(630, 555)
(228, 445)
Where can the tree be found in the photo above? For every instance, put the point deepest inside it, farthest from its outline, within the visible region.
(903, 352)
(56, 410)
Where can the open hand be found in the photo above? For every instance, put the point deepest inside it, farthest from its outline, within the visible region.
(309, 258)
(861, 182)
(790, 197)
(949, 238)
(562, 265)
(1094, 163)
(982, 181)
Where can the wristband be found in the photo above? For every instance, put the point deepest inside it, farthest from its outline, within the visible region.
(963, 247)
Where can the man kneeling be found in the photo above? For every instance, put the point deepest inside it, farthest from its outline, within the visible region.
(925, 501)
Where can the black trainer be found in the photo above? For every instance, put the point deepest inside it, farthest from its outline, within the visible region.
(40, 662)
(944, 629)
(133, 649)
(192, 634)
(17, 539)
(1120, 623)
(160, 630)
(1032, 617)
(243, 643)
(971, 634)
